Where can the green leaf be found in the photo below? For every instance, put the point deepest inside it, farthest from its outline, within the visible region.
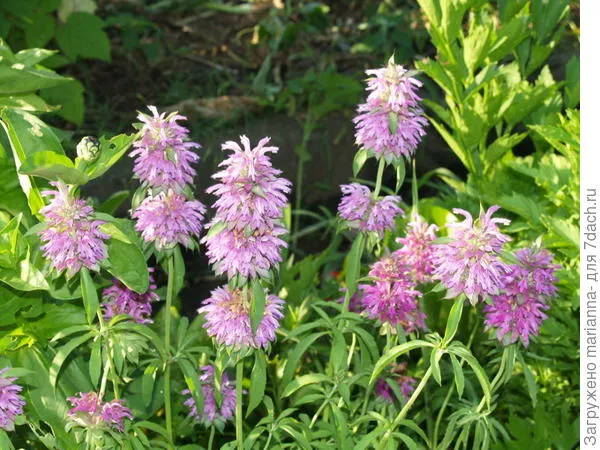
(339, 354)
(353, 263)
(95, 364)
(393, 353)
(112, 203)
(393, 122)
(148, 380)
(258, 382)
(501, 146)
(529, 379)
(400, 173)
(83, 36)
(454, 145)
(434, 361)
(126, 260)
(89, 293)
(27, 135)
(19, 79)
(62, 354)
(53, 166)
(464, 353)
(26, 102)
(111, 150)
(360, 158)
(257, 305)
(304, 380)
(70, 100)
(296, 354)
(39, 29)
(193, 382)
(454, 319)
(459, 377)
(508, 37)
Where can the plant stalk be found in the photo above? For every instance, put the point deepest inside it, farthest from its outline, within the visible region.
(239, 432)
(167, 384)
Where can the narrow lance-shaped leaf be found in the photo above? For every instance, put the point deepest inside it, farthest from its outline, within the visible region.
(353, 264)
(90, 296)
(258, 380)
(454, 319)
(394, 353)
(257, 305)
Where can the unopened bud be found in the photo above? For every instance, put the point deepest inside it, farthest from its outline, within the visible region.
(88, 149)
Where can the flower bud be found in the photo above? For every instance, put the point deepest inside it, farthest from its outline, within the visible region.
(88, 149)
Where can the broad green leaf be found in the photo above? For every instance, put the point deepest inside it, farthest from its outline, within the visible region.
(393, 353)
(148, 380)
(19, 79)
(126, 260)
(83, 36)
(258, 381)
(27, 135)
(69, 100)
(39, 29)
(111, 150)
(257, 305)
(89, 293)
(32, 56)
(26, 102)
(52, 166)
(112, 203)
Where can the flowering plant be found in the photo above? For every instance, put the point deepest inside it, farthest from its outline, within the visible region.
(406, 331)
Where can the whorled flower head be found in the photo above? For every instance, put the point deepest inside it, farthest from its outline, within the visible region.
(163, 154)
(71, 236)
(114, 414)
(89, 411)
(537, 271)
(393, 297)
(471, 263)
(249, 253)
(227, 319)
(169, 218)
(394, 98)
(119, 299)
(364, 213)
(250, 193)
(394, 303)
(212, 412)
(417, 249)
(518, 311)
(11, 403)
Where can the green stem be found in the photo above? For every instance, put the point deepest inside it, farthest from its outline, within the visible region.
(239, 432)
(113, 372)
(415, 187)
(379, 181)
(211, 437)
(167, 384)
(413, 398)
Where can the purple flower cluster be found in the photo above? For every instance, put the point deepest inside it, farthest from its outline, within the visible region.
(393, 98)
(11, 403)
(393, 297)
(417, 249)
(227, 314)
(384, 390)
(212, 412)
(163, 154)
(71, 236)
(169, 218)
(365, 213)
(90, 411)
(119, 299)
(163, 162)
(245, 235)
(470, 263)
(518, 311)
